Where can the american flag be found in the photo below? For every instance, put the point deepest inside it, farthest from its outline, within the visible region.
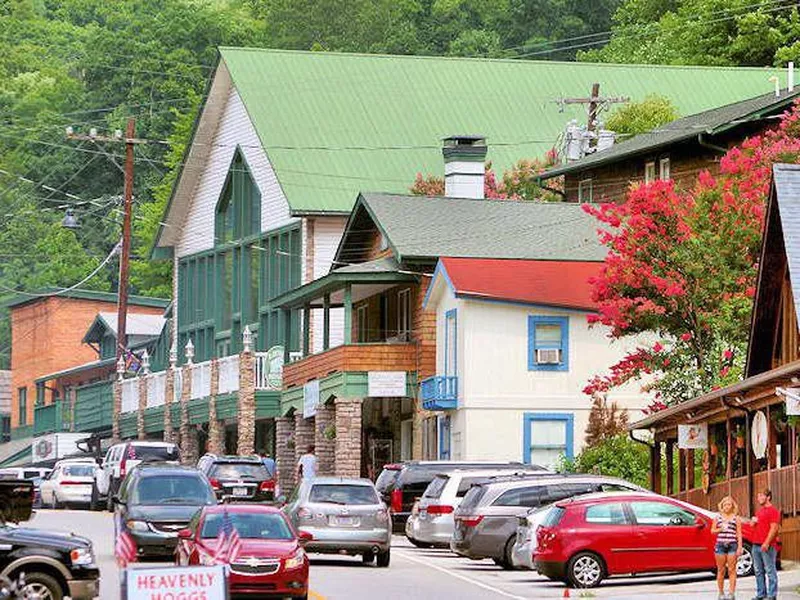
(125, 549)
(229, 544)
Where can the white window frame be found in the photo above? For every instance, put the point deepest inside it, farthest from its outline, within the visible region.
(663, 169)
(583, 184)
(404, 314)
(650, 171)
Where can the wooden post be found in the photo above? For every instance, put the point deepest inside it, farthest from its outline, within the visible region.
(656, 468)
(730, 448)
(682, 470)
(348, 314)
(670, 468)
(690, 469)
(326, 322)
(287, 335)
(306, 329)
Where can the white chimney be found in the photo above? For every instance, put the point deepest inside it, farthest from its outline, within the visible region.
(464, 170)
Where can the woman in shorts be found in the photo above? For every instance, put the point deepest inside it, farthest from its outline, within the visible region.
(728, 528)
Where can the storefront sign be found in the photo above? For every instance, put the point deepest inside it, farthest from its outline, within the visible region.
(693, 437)
(44, 448)
(758, 436)
(177, 583)
(275, 367)
(386, 384)
(792, 396)
(310, 399)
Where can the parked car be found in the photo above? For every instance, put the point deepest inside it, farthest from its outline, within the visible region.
(486, 520)
(34, 474)
(55, 565)
(238, 478)
(432, 524)
(156, 501)
(271, 562)
(414, 477)
(344, 516)
(69, 484)
(119, 460)
(584, 540)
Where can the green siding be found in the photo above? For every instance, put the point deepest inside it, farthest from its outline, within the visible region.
(93, 407)
(24, 431)
(175, 414)
(198, 411)
(324, 118)
(127, 425)
(228, 406)
(268, 404)
(51, 418)
(154, 419)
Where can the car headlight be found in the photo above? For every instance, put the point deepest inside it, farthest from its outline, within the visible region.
(81, 556)
(137, 525)
(296, 560)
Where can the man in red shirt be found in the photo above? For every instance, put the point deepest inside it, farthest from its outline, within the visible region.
(768, 521)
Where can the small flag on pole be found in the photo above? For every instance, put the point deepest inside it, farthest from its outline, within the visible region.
(229, 544)
(125, 549)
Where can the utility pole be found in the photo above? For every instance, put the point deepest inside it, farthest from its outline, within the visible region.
(596, 104)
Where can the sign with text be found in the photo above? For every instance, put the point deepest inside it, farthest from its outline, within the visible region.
(310, 399)
(693, 437)
(386, 384)
(177, 583)
(275, 366)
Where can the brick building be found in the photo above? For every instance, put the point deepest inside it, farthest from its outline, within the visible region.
(677, 151)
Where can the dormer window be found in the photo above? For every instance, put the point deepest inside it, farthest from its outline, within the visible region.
(239, 207)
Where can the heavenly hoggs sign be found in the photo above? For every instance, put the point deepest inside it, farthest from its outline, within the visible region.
(176, 583)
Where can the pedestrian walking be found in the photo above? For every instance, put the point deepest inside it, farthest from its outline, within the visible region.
(269, 462)
(728, 548)
(307, 465)
(765, 535)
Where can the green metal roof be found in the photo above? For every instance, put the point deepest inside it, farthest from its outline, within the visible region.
(710, 122)
(53, 292)
(335, 124)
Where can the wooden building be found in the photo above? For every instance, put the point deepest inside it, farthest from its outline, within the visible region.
(733, 464)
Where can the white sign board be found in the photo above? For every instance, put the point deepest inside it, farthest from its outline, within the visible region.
(758, 437)
(55, 445)
(693, 437)
(386, 384)
(275, 368)
(310, 398)
(176, 583)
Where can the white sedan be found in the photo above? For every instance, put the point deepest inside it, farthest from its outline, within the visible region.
(70, 483)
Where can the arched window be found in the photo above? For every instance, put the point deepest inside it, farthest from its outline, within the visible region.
(239, 207)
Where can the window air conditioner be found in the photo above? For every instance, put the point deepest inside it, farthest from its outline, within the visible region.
(548, 356)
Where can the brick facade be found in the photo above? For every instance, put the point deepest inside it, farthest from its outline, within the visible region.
(303, 435)
(188, 441)
(348, 437)
(169, 394)
(216, 430)
(140, 433)
(247, 405)
(325, 421)
(117, 409)
(284, 453)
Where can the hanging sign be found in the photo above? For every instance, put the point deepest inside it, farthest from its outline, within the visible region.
(386, 384)
(275, 368)
(174, 583)
(310, 399)
(759, 434)
(693, 437)
(792, 396)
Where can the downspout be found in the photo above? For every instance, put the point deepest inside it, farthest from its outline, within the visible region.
(709, 145)
(748, 413)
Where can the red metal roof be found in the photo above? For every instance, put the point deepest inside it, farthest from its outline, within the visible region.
(551, 283)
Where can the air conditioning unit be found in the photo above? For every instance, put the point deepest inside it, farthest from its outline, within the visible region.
(548, 356)
(295, 356)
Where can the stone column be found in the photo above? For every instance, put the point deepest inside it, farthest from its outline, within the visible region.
(140, 433)
(325, 424)
(284, 453)
(247, 403)
(169, 394)
(116, 410)
(216, 439)
(303, 435)
(188, 435)
(348, 437)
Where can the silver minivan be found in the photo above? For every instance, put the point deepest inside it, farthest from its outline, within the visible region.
(345, 516)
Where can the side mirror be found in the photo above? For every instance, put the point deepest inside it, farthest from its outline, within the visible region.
(303, 537)
(185, 534)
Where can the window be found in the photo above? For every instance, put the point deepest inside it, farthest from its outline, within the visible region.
(530, 497)
(22, 405)
(663, 169)
(362, 319)
(40, 391)
(585, 190)
(336, 493)
(451, 343)
(661, 513)
(239, 207)
(548, 343)
(610, 513)
(404, 314)
(649, 172)
(546, 437)
(444, 438)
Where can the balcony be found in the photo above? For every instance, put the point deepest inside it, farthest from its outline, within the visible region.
(51, 418)
(439, 392)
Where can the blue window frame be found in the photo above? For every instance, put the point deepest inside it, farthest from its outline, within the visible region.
(547, 436)
(548, 343)
(451, 343)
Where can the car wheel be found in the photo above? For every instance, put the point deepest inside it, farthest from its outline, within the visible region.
(383, 558)
(744, 564)
(41, 586)
(498, 561)
(508, 563)
(368, 558)
(585, 570)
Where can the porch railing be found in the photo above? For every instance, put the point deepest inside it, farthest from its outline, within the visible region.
(130, 395)
(439, 392)
(201, 380)
(156, 389)
(228, 373)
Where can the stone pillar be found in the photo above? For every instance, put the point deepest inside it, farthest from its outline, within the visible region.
(303, 435)
(325, 425)
(216, 437)
(140, 433)
(169, 394)
(420, 414)
(188, 435)
(116, 410)
(348, 437)
(284, 453)
(247, 403)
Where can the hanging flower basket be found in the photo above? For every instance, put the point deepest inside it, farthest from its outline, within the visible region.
(329, 433)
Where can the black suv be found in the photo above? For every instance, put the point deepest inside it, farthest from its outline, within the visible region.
(414, 477)
(54, 564)
(238, 478)
(156, 501)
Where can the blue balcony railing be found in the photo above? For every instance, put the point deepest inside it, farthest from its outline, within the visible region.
(439, 392)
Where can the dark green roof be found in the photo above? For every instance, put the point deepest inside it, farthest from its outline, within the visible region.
(709, 122)
(335, 124)
(424, 227)
(51, 292)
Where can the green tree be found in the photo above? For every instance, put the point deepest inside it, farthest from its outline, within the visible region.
(617, 456)
(638, 117)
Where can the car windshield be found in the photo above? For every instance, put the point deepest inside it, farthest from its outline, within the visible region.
(472, 497)
(156, 453)
(172, 489)
(257, 526)
(79, 470)
(435, 487)
(239, 471)
(341, 493)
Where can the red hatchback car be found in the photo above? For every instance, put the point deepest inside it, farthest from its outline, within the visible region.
(585, 539)
(271, 563)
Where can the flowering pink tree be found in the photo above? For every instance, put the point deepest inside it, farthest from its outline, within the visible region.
(682, 266)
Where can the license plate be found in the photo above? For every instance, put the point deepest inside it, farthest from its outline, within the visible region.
(344, 521)
(240, 491)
